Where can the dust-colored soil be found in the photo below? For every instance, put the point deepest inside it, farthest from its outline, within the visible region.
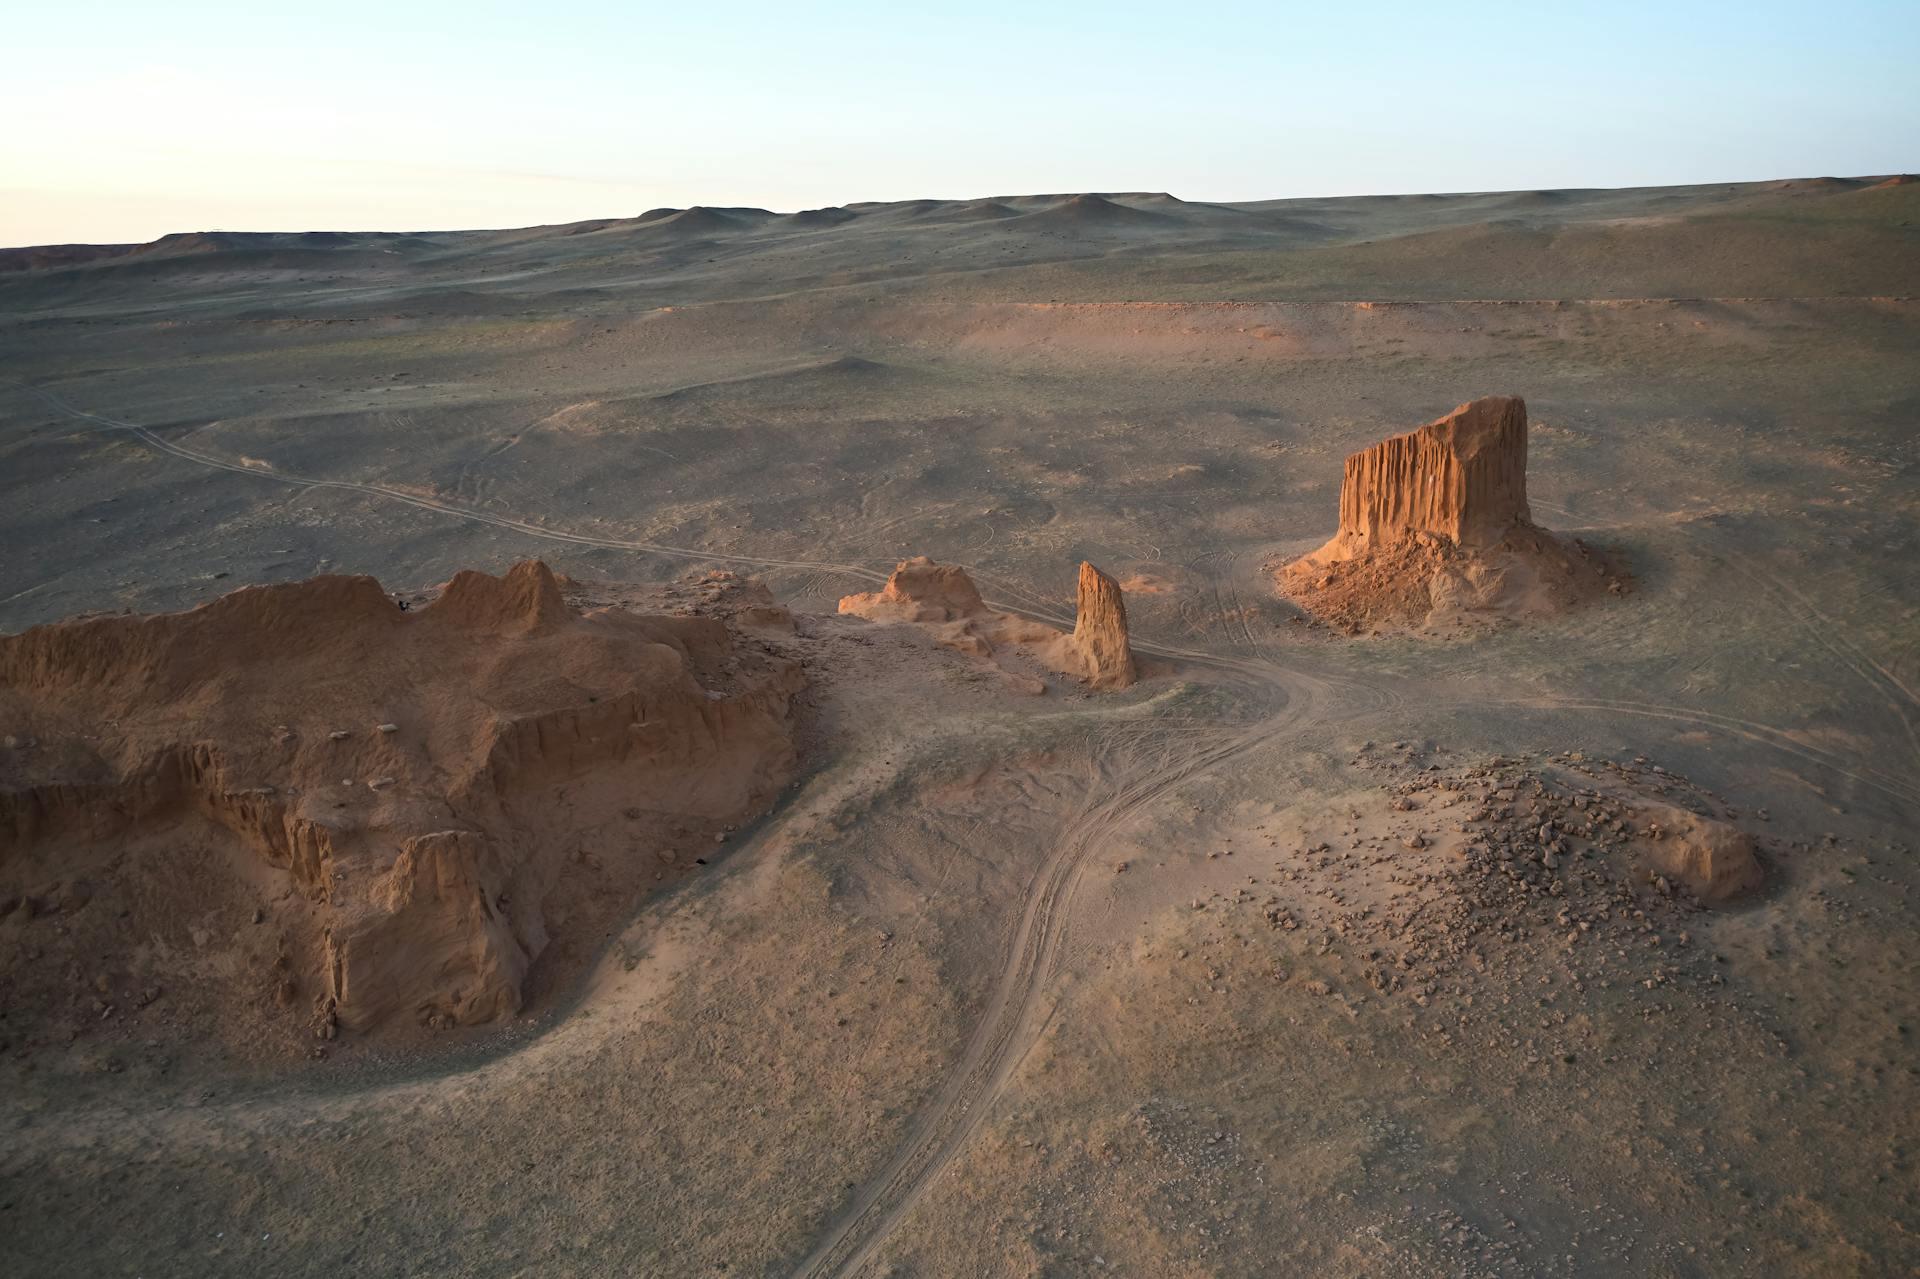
(1577, 946)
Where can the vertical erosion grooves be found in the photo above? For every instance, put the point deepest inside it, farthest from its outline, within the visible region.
(1100, 631)
(168, 783)
(1462, 477)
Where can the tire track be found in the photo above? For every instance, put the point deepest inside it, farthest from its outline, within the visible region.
(815, 568)
(1016, 1012)
(1778, 739)
(1900, 696)
(276, 475)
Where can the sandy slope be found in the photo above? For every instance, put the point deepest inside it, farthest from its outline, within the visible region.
(1070, 983)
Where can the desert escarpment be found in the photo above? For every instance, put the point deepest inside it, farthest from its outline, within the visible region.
(1435, 528)
(943, 600)
(410, 805)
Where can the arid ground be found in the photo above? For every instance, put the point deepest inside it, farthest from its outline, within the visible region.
(1311, 953)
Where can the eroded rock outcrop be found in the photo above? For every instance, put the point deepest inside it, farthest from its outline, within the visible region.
(919, 590)
(1712, 859)
(410, 805)
(1462, 477)
(437, 908)
(1100, 631)
(943, 600)
(1435, 529)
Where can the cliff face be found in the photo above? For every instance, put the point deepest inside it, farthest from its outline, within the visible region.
(1435, 530)
(419, 799)
(1462, 477)
(1100, 631)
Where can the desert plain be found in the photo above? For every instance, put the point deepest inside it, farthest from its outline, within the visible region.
(656, 894)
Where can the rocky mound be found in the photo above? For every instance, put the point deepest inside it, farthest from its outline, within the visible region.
(305, 796)
(1549, 821)
(943, 599)
(1435, 528)
(918, 590)
(1458, 879)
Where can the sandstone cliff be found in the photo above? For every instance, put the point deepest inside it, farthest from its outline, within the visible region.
(1462, 477)
(1435, 530)
(412, 805)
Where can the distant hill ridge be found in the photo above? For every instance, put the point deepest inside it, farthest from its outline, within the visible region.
(1088, 205)
(1824, 236)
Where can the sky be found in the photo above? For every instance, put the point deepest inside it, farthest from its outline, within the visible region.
(126, 121)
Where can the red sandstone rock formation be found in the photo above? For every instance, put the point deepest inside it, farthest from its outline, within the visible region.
(918, 590)
(410, 804)
(1462, 477)
(1435, 528)
(1100, 631)
(1712, 859)
(944, 600)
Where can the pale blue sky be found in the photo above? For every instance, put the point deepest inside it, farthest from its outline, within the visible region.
(134, 119)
